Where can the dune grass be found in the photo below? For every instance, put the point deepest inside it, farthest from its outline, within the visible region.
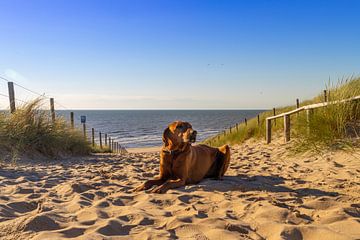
(334, 125)
(30, 131)
(98, 149)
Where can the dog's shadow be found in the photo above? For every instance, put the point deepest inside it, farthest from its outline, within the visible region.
(244, 183)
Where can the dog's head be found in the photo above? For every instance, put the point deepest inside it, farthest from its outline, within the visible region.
(178, 133)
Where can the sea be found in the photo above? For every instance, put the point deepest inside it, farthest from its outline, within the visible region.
(144, 128)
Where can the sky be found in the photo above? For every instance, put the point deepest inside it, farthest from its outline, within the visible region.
(178, 54)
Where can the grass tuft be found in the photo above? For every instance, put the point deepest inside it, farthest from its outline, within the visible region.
(30, 131)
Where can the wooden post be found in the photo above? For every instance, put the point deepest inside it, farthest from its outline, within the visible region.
(11, 96)
(237, 127)
(309, 113)
(297, 103)
(106, 139)
(72, 119)
(84, 130)
(93, 137)
(268, 131)
(325, 96)
(230, 129)
(274, 113)
(287, 127)
(52, 109)
(245, 122)
(110, 144)
(100, 140)
(258, 119)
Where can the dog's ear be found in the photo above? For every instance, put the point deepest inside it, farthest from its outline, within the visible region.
(165, 136)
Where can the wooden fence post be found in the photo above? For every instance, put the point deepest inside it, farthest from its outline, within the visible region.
(11, 96)
(52, 109)
(84, 130)
(274, 113)
(237, 127)
(258, 119)
(287, 127)
(72, 119)
(309, 113)
(245, 122)
(297, 103)
(110, 144)
(268, 130)
(100, 140)
(325, 96)
(93, 137)
(230, 129)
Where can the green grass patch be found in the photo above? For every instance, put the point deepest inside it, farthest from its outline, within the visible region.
(30, 131)
(336, 125)
(98, 149)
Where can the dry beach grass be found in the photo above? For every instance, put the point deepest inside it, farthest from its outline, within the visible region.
(266, 194)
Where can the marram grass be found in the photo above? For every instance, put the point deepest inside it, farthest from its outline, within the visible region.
(337, 125)
(30, 131)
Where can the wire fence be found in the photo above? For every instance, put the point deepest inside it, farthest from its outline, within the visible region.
(8, 102)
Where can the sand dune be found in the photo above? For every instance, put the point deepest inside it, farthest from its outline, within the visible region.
(265, 195)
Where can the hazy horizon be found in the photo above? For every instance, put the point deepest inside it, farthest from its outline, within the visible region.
(176, 54)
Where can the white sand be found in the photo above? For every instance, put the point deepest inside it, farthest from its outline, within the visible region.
(265, 195)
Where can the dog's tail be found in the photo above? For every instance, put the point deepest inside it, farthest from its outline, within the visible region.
(225, 150)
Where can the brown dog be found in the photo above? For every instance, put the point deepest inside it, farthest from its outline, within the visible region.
(181, 163)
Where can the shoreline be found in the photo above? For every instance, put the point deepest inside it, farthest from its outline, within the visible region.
(144, 149)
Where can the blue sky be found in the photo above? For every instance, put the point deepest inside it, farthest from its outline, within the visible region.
(177, 54)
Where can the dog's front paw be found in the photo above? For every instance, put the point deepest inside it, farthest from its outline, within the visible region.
(159, 189)
(139, 188)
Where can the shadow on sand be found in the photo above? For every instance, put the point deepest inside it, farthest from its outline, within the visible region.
(244, 183)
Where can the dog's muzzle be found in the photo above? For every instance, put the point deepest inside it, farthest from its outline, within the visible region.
(193, 137)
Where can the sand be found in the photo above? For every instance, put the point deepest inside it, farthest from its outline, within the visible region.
(264, 195)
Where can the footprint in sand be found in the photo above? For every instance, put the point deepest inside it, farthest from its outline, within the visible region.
(189, 198)
(40, 223)
(136, 219)
(114, 227)
(23, 207)
(73, 232)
